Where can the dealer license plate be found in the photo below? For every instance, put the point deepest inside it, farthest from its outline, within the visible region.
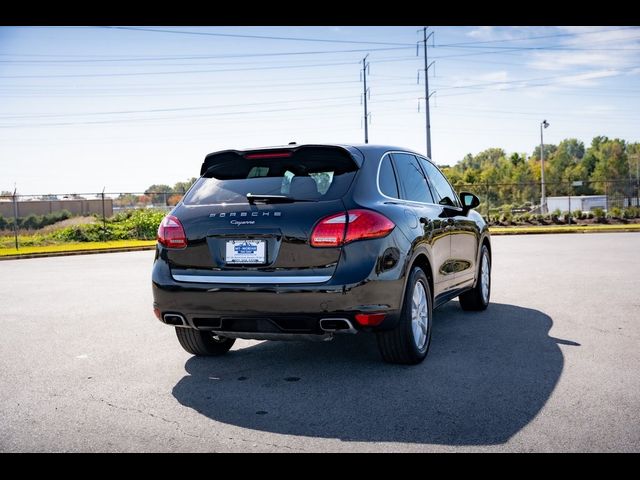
(246, 251)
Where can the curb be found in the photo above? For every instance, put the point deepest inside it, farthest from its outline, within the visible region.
(514, 231)
(77, 252)
(511, 231)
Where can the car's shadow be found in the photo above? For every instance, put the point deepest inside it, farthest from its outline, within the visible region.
(487, 375)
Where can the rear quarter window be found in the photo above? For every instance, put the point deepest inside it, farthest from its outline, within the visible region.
(387, 179)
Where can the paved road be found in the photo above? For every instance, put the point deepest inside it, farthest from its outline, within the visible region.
(552, 365)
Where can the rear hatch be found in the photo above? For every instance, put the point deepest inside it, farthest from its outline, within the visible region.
(249, 218)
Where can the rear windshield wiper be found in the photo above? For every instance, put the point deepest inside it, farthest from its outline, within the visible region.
(253, 198)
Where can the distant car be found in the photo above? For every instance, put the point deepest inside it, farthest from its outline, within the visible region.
(309, 241)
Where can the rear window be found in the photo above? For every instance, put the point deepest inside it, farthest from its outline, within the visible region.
(314, 173)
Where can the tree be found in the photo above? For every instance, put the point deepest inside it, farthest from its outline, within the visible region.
(159, 193)
(182, 187)
(174, 199)
(125, 200)
(517, 159)
(607, 166)
(549, 150)
(611, 161)
(561, 169)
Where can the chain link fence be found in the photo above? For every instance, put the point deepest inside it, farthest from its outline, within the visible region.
(26, 214)
(500, 202)
(501, 199)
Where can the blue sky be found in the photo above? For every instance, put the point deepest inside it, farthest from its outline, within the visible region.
(87, 107)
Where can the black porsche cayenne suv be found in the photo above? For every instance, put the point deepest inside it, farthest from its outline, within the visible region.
(309, 241)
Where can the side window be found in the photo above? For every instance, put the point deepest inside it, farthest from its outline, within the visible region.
(411, 178)
(387, 179)
(446, 195)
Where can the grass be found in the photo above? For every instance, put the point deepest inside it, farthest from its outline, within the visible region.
(6, 250)
(75, 247)
(631, 227)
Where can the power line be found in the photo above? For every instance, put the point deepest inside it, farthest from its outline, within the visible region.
(129, 74)
(544, 84)
(407, 45)
(216, 114)
(262, 37)
(192, 108)
(163, 110)
(548, 47)
(205, 57)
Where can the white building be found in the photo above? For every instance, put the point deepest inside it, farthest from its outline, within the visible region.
(584, 203)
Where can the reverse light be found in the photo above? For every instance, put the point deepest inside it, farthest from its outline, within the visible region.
(342, 228)
(171, 233)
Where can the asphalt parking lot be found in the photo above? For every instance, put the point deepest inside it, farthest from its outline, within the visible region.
(552, 365)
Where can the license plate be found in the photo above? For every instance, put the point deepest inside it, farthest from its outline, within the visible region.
(246, 251)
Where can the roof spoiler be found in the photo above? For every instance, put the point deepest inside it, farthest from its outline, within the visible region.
(230, 155)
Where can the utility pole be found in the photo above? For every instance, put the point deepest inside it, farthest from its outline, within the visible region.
(543, 197)
(15, 214)
(637, 157)
(426, 37)
(104, 218)
(365, 92)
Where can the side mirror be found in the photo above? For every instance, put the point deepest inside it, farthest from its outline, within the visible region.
(469, 201)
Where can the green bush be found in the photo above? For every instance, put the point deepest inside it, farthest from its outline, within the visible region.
(32, 221)
(506, 217)
(132, 225)
(141, 224)
(577, 214)
(598, 213)
(35, 222)
(506, 208)
(631, 212)
(616, 212)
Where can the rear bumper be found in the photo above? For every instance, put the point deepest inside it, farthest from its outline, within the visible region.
(276, 308)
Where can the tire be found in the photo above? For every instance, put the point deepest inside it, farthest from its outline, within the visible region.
(400, 345)
(477, 299)
(203, 343)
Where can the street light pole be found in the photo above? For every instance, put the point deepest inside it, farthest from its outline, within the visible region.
(543, 197)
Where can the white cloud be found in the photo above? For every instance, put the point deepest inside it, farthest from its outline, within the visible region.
(482, 33)
(492, 33)
(541, 89)
(611, 47)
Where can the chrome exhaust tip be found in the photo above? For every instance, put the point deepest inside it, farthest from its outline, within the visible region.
(174, 319)
(337, 325)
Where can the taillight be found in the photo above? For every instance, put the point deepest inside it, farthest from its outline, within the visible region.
(171, 234)
(339, 229)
